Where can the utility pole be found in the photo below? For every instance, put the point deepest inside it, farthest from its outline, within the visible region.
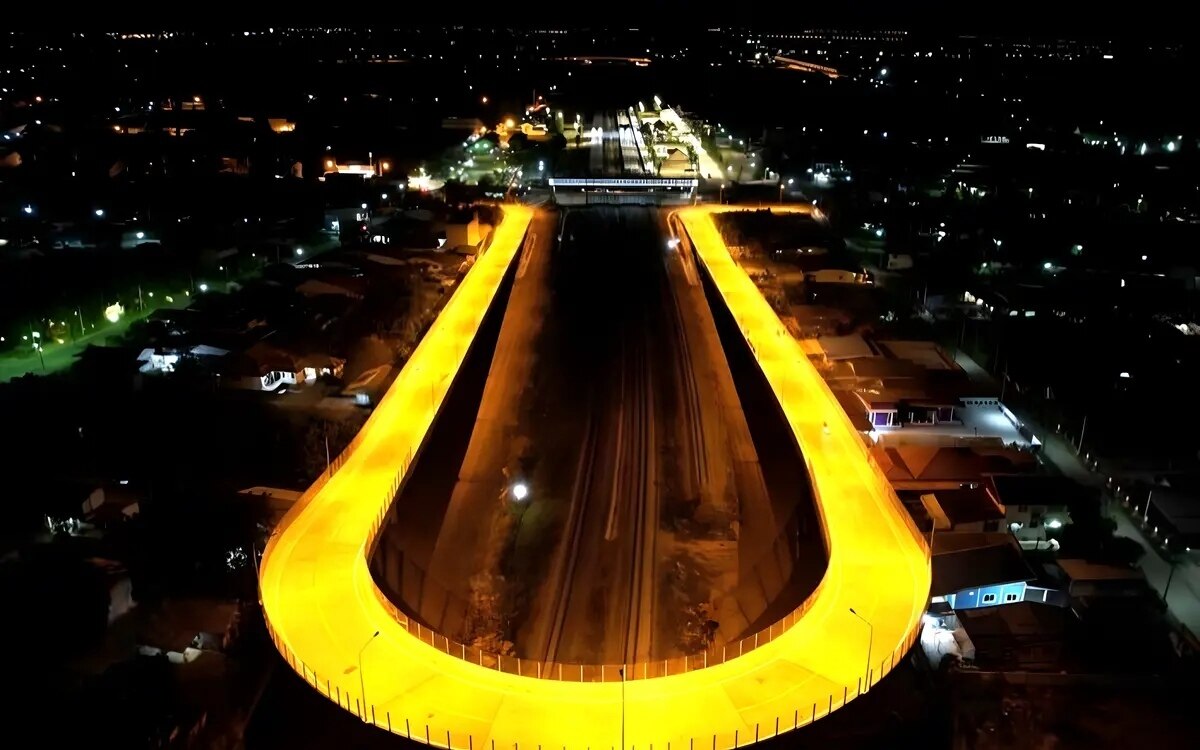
(37, 345)
(1170, 575)
(1082, 430)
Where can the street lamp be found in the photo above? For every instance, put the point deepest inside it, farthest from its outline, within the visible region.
(520, 491)
(362, 683)
(871, 636)
(622, 672)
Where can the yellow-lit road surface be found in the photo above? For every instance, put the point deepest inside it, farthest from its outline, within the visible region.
(323, 607)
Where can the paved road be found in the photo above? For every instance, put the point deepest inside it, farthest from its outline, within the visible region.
(335, 630)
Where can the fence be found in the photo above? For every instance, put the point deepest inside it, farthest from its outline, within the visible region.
(765, 571)
(454, 738)
(574, 672)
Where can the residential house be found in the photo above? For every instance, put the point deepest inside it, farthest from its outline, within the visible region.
(934, 467)
(181, 629)
(969, 508)
(164, 358)
(265, 367)
(989, 576)
(1084, 579)
(459, 229)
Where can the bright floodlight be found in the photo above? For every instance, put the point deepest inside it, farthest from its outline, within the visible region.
(204, 287)
(673, 242)
(1054, 524)
(28, 209)
(520, 491)
(141, 235)
(99, 213)
(1047, 265)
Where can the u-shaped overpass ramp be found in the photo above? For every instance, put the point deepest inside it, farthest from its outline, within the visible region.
(323, 607)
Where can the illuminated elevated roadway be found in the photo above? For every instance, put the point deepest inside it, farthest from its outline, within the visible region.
(325, 611)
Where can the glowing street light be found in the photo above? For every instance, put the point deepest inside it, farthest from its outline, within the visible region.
(871, 638)
(362, 683)
(99, 213)
(27, 209)
(203, 287)
(520, 491)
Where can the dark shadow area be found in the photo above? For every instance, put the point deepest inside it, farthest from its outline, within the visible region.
(417, 512)
(782, 466)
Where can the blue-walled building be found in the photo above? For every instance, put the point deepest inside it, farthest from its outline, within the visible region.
(982, 577)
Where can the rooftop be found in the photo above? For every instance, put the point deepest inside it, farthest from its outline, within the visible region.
(1083, 570)
(1042, 489)
(927, 354)
(974, 423)
(979, 566)
(908, 463)
(968, 504)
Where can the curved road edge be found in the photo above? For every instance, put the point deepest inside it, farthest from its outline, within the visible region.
(336, 630)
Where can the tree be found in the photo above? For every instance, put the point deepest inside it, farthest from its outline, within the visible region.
(518, 142)
(63, 600)
(1091, 536)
